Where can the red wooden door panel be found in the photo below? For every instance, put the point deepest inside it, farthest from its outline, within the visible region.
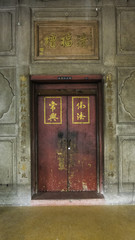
(67, 143)
(82, 138)
(52, 143)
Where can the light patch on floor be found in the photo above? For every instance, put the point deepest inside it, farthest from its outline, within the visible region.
(68, 223)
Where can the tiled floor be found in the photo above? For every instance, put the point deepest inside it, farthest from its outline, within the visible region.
(68, 223)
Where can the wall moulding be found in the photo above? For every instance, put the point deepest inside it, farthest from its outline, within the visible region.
(127, 95)
(8, 173)
(126, 163)
(7, 97)
(7, 36)
(125, 32)
(41, 13)
(125, 3)
(69, 3)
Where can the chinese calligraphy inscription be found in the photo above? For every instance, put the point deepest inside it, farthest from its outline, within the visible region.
(80, 110)
(23, 169)
(52, 110)
(72, 40)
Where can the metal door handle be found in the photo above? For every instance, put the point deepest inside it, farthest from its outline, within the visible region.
(69, 142)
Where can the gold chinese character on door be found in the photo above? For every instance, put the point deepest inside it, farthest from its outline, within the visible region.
(80, 110)
(52, 110)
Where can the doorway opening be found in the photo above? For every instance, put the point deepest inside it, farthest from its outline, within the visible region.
(67, 137)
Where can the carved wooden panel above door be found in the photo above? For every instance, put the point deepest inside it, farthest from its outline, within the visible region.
(66, 40)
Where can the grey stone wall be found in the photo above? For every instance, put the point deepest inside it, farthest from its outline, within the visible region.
(116, 63)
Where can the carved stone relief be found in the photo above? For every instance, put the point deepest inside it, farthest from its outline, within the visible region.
(6, 95)
(127, 95)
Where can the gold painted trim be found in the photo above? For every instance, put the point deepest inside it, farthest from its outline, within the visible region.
(73, 122)
(60, 122)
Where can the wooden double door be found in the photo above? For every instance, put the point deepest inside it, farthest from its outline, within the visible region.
(66, 136)
(67, 147)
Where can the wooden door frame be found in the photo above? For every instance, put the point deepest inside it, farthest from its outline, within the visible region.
(62, 79)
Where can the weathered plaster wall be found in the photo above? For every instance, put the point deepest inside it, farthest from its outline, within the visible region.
(116, 63)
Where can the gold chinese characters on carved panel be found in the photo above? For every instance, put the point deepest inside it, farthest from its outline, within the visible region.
(66, 40)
